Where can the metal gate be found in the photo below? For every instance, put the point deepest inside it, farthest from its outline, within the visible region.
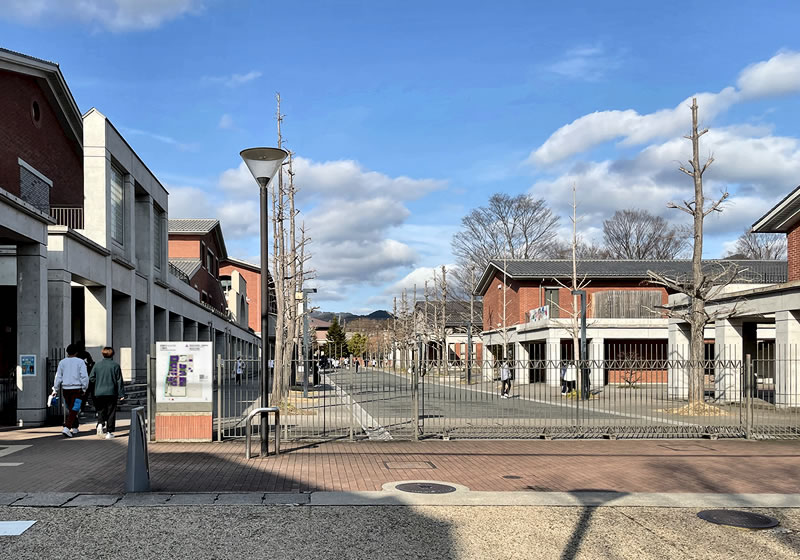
(624, 398)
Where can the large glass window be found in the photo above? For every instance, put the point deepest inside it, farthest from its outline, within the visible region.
(117, 206)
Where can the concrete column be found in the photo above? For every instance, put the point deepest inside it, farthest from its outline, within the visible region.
(32, 331)
(522, 364)
(175, 327)
(728, 343)
(144, 339)
(677, 365)
(59, 308)
(190, 330)
(220, 345)
(123, 329)
(129, 212)
(203, 332)
(596, 362)
(97, 318)
(553, 353)
(488, 363)
(787, 358)
(160, 325)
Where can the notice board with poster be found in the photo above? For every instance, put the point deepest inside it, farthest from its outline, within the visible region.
(184, 392)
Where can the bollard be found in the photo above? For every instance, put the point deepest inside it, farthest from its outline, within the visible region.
(137, 467)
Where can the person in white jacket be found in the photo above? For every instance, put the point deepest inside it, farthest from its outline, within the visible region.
(73, 380)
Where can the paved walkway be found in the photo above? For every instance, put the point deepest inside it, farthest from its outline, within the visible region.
(87, 464)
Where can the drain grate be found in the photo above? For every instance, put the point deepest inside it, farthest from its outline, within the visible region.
(409, 465)
(742, 519)
(512, 477)
(425, 488)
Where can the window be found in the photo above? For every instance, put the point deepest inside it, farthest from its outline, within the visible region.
(551, 300)
(158, 232)
(117, 206)
(225, 282)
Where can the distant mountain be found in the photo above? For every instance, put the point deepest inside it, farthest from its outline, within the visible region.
(379, 315)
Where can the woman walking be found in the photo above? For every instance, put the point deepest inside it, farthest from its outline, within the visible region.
(106, 377)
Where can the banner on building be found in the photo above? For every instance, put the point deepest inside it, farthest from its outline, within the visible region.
(184, 371)
(539, 314)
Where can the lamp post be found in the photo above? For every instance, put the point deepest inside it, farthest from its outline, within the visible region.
(263, 163)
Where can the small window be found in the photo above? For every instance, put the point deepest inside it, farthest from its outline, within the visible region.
(551, 300)
(117, 206)
(36, 113)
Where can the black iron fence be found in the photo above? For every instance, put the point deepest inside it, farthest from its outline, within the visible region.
(641, 393)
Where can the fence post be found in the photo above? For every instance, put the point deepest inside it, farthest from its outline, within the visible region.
(219, 397)
(748, 379)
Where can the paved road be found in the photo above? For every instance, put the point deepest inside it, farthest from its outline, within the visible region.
(390, 532)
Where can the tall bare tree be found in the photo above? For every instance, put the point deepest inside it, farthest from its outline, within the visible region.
(760, 246)
(517, 227)
(703, 282)
(638, 234)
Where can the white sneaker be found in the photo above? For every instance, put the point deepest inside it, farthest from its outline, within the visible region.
(99, 429)
(66, 431)
(74, 431)
(109, 435)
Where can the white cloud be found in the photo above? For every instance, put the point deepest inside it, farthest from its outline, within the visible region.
(588, 63)
(780, 75)
(226, 121)
(234, 80)
(189, 202)
(417, 277)
(184, 147)
(776, 76)
(115, 15)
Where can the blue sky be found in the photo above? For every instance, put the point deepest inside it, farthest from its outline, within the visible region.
(404, 116)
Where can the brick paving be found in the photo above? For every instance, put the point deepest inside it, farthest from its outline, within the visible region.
(88, 464)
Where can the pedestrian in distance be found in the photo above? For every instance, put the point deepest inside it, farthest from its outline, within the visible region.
(356, 361)
(505, 377)
(73, 380)
(239, 370)
(108, 391)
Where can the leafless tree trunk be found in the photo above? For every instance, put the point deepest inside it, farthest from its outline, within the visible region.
(638, 234)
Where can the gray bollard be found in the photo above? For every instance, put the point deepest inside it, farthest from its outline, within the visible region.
(137, 467)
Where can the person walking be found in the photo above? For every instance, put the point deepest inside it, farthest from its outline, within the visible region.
(505, 377)
(108, 390)
(239, 370)
(73, 380)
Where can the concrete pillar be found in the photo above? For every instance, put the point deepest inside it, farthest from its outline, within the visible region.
(522, 364)
(787, 358)
(160, 325)
(204, 332)
(175, 327)
(677, 360)
(220, 345)
(32, 331)
(190, 330)
(144, 339)
(488, 363)
(59, 308)
(553, 353)
(728, 343)
(596, 358)
(123, 329)
(97, 318)
(129, 211)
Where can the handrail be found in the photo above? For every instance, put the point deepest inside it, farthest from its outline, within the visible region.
(250, 416)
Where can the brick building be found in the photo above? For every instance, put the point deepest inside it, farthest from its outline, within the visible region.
(196, 248)
(621, 309)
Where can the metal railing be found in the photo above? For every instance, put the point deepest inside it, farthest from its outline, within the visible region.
(66, 216)
(257, 412)
(627, 391)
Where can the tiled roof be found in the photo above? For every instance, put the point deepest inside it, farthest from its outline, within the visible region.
(9, 51)
(192, 225)
(755, 272)
(457, 311)
(189, 267)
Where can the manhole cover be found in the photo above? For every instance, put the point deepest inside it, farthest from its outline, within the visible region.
(743, 519)
(512, 477)
(425, 488)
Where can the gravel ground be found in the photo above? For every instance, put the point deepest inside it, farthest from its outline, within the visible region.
(342, 532)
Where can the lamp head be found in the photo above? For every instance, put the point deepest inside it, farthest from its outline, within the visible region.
(263, 163)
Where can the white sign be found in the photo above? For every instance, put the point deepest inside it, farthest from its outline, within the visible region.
(539, 314)
(184, 371)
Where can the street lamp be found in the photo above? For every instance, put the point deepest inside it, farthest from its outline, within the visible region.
(263, 163)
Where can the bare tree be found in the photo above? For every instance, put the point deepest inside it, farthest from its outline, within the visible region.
(515, 227)
(584, 249)
(638, 234)
(703, 283)
(760, 246)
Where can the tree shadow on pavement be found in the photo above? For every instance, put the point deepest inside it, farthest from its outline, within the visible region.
(591, 499)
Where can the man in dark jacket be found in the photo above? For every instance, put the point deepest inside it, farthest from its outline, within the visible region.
(106, 377)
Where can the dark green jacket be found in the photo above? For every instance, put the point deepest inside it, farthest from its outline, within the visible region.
(106, 377)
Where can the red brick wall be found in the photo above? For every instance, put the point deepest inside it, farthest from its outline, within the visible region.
(46, 147)
(793, 253)
(253, 280)
(184, 248)
(180, 427)
(189, 247)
